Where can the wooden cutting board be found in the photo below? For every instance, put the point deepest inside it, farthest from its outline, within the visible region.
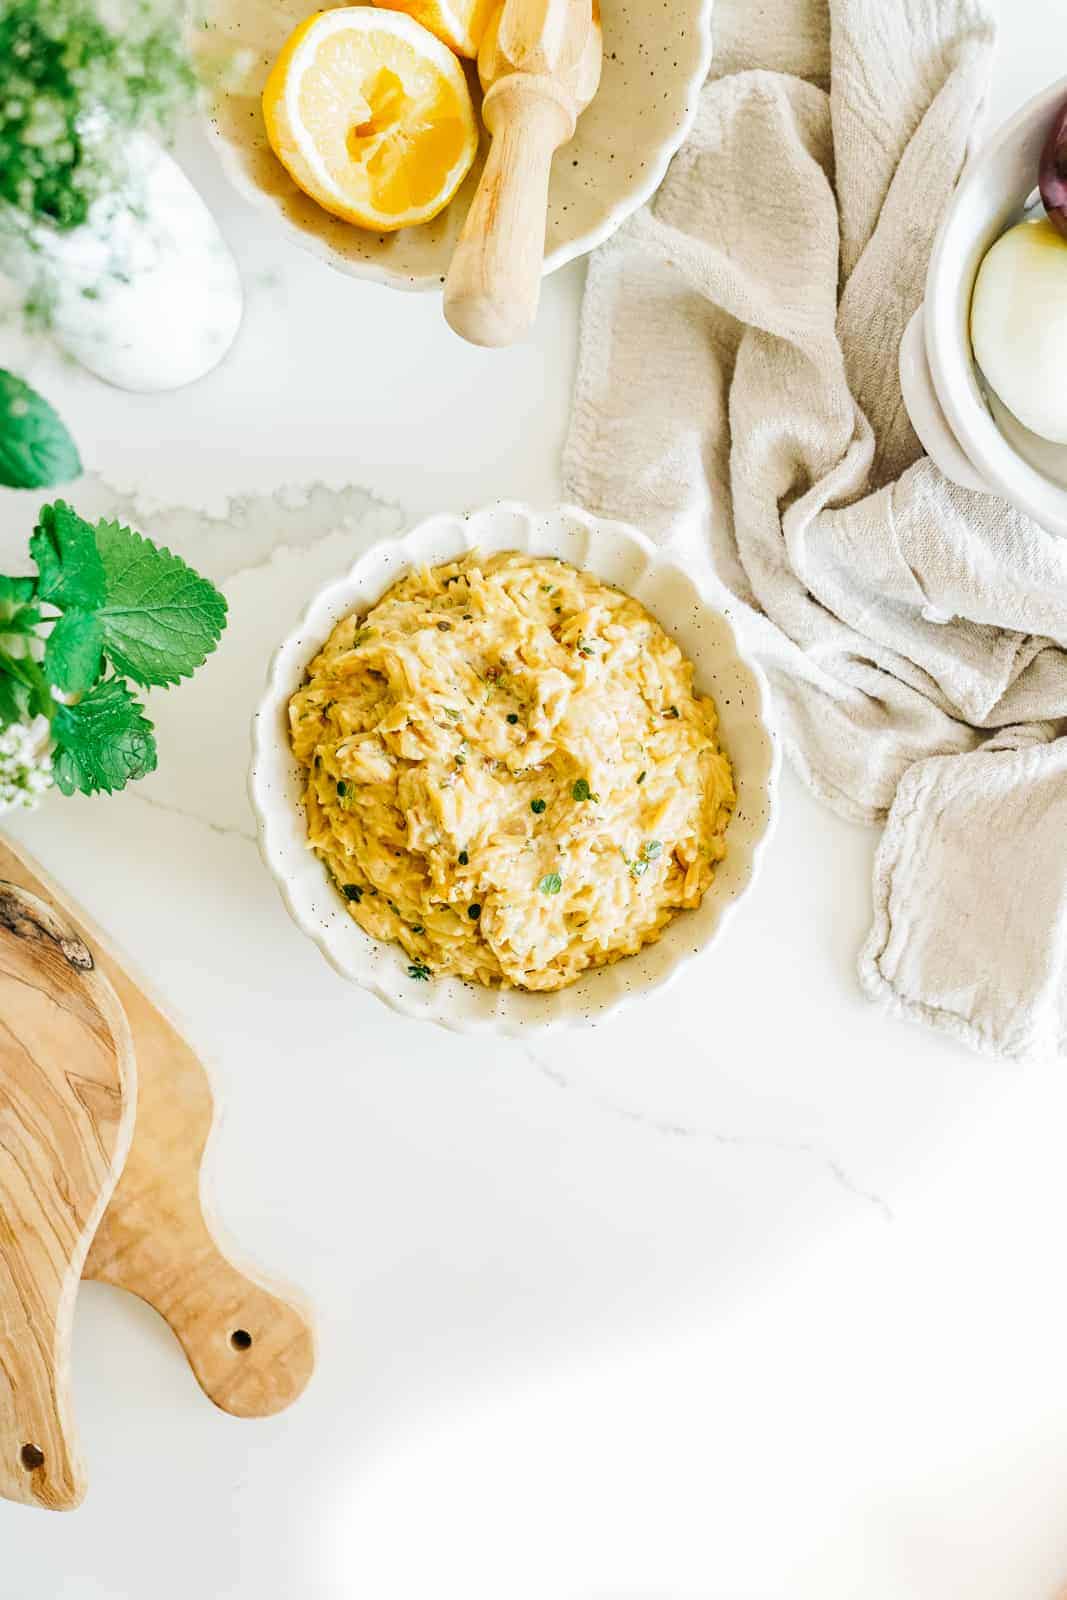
(248, 1341)
(67, 1084)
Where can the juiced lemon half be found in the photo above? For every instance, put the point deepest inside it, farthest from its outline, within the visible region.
(460, 23)
(371, 116)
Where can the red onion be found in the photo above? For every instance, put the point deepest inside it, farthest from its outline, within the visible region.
(1054, 172)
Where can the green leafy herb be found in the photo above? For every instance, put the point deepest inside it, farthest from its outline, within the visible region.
(18, 612)
(114, 607)
(463, 858)
(342, 789)
(60, 67)
(417, 927)
(71, 572)
(161, 619)
(650, 850)
(419, 971)
(35, 448)
(451, 712)
(24, 690)
(102, 742)
(582, 791)
(474, 912)
(552, 883)
(153, 617)
(537, 806)
(513, 717)
(73, 651)
(352, 891)
(584, 648)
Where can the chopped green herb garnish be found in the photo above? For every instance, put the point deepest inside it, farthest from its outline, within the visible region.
(552, 883)
(584, 648)
(461, 760)
(361, 636)
(582, 791)
(450, 711)
(352, 891)
(513, 717)
(642, 776)
(474, 912)
(419, 971)
(463, 858)
(417, 927)
(537, 806)
(649, 852)
(342, 789)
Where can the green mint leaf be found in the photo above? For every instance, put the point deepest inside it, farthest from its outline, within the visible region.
(64, 548)
(18, 614)
(102, 742)
(73, 653)
(14, 697)
(35, 448)
(160, 618)
(27, 688)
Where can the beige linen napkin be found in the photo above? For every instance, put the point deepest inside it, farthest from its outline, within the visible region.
(738, 397)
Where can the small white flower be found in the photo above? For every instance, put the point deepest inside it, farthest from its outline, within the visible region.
(25, 763)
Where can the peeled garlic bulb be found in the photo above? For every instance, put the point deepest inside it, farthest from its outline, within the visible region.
(1019, 325)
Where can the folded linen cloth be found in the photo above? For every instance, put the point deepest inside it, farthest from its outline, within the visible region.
(738, 396)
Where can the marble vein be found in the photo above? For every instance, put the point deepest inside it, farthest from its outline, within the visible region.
(806, 1148)
(226, 830)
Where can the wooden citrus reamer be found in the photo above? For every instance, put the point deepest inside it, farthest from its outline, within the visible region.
(104, 1114)
(539, 65)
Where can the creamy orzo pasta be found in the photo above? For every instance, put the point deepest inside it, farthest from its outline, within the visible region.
(508, 771)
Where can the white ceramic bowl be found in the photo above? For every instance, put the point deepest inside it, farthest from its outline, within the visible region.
(974, 440)
(656, 57)
(620, 556)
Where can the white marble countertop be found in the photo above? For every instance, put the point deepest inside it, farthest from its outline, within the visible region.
(754, 1293)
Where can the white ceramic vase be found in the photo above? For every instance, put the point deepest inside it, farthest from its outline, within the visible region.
(146, 293)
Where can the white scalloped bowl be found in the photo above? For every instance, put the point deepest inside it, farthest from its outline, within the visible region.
(619, 555)
(656, 58)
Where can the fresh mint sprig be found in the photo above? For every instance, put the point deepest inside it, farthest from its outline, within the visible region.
(107, 605)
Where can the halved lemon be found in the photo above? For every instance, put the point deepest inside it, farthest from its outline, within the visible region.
(460, 23)
(371, 115)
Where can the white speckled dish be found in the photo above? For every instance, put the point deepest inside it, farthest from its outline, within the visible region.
(621, 556)
(656, 57)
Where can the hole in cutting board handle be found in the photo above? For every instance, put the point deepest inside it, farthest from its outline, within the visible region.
(31, 1457)
(241, 1339)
